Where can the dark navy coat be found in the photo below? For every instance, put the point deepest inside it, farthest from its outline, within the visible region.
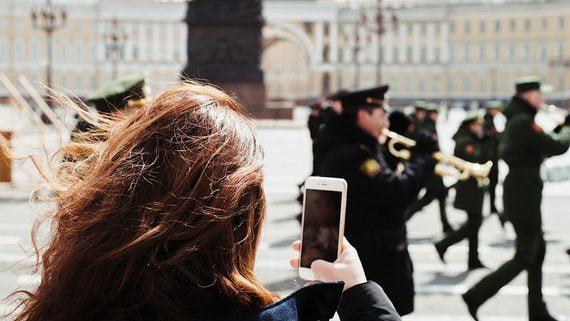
(364, 302)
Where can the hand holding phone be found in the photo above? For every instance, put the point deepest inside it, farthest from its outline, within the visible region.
(324, 206)
(347, 266)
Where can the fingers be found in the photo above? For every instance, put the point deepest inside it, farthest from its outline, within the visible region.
(322, 268)
(296, 246)
(294, 262)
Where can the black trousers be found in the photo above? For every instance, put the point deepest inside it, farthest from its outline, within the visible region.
(522, 198)
(433, 191)
(470, 231)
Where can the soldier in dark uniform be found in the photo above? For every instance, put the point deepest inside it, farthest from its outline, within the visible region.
(377, 196)
(470, 145)
(329, 135)
(401, 124)
(524, 146)
(115, 98)
(492, 109)
(435, 188)
(419, 116)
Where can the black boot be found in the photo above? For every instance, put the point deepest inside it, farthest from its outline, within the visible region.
(472, 307)
(546, 317)
(447, 229)
(475, 264)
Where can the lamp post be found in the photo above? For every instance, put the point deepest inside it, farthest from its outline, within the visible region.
(49, 19)
(115, 40)
(376, 24)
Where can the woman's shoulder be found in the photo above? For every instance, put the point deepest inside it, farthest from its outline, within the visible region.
(313, 302)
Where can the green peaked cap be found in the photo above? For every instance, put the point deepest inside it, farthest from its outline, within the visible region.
(118, 94)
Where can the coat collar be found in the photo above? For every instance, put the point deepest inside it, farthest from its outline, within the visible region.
(318, 301)
(518, 106)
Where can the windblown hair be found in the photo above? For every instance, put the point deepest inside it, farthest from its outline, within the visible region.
(167, 207)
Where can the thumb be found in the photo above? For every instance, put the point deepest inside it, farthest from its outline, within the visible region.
(322, 268)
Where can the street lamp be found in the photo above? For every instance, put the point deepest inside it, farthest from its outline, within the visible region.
(376, 24)
(115, 40)
(49, 19)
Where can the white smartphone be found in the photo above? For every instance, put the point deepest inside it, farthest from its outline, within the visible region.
(322, 227)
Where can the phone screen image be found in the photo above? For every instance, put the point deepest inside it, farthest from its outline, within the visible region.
(320, 226)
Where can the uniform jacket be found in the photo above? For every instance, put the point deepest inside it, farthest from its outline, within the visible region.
(524, 146)
(469, 195)
(377, 198)
(320, 301)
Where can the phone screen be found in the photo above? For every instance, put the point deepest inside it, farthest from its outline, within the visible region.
(320, 226)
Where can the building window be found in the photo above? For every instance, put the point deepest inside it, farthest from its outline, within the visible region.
(560, 82)
(561, 50)
(527, 24)
(436, 83)
(526, 51)
(18, 49)
(482, 26)
(78, 53)
(498, 26)
(451, 53)
(513, 25)
(63, 51)
(34, 50)
(482, 52)
(466, 83)
(467, 26)
(422, 84)
(543, 52)
(3, 53)
(511, 55)
(410, 54)
(452, 27)
(437, 54)
(78, 79)
(466, 53)
(561, 23)
(78, 26)
(93, 81)
(544, 23)
(497, 50)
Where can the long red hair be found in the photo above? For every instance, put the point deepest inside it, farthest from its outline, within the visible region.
(168, 206)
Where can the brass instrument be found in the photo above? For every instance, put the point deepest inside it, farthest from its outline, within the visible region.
(463, 169)
(555, 110)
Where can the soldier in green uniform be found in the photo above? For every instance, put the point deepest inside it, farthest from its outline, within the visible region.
(435, 188)
(470, 146)
(524, 146)
(493, 108)
(115, 99)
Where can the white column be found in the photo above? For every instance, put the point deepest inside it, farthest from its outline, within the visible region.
(169, 41)
(183, 42)
(319, 35)
(430, 42)
(402, 43)
(375, 50)
(333, 42)
(156, 41)
(388, 45)
(416, 42)
(444, 42)
(128, 28)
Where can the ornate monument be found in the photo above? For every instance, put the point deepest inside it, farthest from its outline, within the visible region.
(224, 48)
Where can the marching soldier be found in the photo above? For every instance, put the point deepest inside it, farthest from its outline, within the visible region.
(115, 98)
(377, 196)
(524, 146)
(419, 116)
(492, 109)
(435, 188)
(470, 145)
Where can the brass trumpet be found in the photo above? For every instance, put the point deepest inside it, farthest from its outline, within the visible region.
(463, 169)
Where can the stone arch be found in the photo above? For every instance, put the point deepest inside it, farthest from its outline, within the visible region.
(276, 30)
